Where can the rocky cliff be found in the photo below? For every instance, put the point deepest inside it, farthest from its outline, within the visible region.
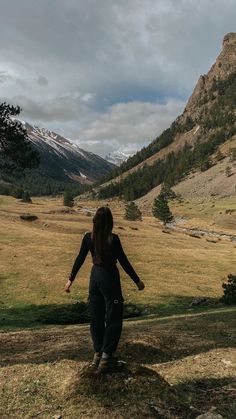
(224, 66)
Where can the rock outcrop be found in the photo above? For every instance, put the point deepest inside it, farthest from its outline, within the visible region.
(224, 66)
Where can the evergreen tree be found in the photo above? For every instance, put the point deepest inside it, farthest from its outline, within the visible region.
(26, 197)
(68, 199)
(229, 296)
(15, 150)
(132, 212)
(167, 192)
(161, 209)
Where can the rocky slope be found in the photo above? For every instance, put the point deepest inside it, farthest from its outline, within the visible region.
(224, 66)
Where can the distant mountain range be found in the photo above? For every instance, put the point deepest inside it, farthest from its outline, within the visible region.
(63, 165)
(117, 157)
(64, 160)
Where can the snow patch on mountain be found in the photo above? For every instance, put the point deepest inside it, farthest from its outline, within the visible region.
(117, 157)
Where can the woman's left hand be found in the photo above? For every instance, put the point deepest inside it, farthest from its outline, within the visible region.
(67, 286)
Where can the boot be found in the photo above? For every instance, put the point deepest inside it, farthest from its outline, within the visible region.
(110, 365)
(96, 359)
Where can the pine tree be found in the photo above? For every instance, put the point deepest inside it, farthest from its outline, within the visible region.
(26, 197)
(161, 209)
(15, 149)
(167, 192)
(229, 296)
(68, 199)
(132, 212)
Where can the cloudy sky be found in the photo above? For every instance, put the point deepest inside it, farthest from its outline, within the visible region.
(109, 74)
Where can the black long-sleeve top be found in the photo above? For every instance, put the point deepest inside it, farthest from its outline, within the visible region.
(117, 253)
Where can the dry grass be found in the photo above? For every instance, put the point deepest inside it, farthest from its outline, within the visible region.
(172, 363)
(36, 258)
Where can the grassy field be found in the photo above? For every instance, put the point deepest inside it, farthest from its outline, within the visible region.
(178, 356)
(36, 258)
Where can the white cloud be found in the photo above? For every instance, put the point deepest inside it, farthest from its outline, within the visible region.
(128, 126)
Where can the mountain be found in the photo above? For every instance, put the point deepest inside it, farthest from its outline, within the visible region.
(192, 140)
(63, 165)
(63, 160)
(117, 157)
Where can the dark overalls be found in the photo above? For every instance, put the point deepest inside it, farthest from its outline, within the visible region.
(105, 295)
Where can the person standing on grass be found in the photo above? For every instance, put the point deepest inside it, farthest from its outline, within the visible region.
(105, 295)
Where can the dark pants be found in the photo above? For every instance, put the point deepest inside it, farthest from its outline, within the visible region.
(106, 307)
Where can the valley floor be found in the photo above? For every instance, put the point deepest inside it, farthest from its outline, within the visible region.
(178, 365)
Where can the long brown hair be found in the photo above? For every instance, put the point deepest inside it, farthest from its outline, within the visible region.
(102, 234)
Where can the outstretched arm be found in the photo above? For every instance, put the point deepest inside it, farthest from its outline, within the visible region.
(78, 262)
(126, 265)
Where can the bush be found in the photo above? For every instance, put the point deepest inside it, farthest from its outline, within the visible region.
(132, 212)
(229, 296)
(228, 171)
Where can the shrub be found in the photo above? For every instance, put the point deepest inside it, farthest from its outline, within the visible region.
(228, 171)
(229, 296)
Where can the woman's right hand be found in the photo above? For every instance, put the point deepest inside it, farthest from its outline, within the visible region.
(67, 286)
(140, 285)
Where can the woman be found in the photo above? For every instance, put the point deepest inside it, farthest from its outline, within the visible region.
(105, 295)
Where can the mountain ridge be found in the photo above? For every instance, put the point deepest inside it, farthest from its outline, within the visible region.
(207, 121)
(76, 163)
(63, 165)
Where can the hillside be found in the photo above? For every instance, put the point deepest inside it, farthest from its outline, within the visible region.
(63, 160)
(207, 121)
(218, 181)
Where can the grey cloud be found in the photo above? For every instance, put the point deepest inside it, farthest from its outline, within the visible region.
(93, 52)
(4, 77)
(42, 81)
(61, 109)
